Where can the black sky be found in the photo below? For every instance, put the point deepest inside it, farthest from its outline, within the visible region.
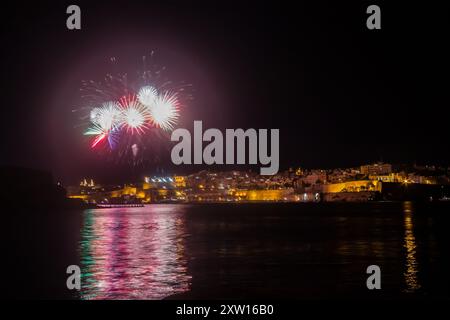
(340, 94)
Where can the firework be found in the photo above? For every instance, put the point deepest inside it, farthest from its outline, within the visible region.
(140, 111)
(95, 113)
(104, 123)
(134, 116)
(147, 96)
(165, 111)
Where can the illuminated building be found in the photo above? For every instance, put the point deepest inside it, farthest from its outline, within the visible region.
(270, 195)
(376, 169)
(180, 181)
(263, 195)
(84, 183)
(352, 186)
(159, 182)
(315, 177)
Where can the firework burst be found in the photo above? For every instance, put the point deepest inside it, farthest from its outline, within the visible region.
(138, 114)
(164, 111)
(104, 123)
(147, 95)
(134, 115)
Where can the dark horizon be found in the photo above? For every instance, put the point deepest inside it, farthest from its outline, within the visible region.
(340, 94)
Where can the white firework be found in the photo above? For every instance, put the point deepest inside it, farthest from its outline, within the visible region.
(110, 115)
(94, 114)
(104, 122)
(147, 96)
(134, 115)
(106, 117)
(165, 111)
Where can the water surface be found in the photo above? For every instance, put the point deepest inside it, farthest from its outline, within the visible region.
(264, 250)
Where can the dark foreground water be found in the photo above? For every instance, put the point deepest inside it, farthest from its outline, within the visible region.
(293, 251)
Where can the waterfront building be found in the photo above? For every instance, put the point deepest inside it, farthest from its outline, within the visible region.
(376, 169)
(352, 186)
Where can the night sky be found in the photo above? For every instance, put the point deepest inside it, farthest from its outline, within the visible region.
(341, 95)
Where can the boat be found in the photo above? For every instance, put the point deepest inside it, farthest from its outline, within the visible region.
(119, 205)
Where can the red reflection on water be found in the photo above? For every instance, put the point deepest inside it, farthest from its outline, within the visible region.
(134, 253)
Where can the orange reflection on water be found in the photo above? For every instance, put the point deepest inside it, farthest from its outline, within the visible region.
(134, 253)
(412, 266)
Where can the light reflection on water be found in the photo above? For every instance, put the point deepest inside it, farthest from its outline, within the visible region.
(255, 251)
(133, 253)
(412, 266)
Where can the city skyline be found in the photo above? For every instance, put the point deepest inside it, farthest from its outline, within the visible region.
(369, 182)
(253, 169)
